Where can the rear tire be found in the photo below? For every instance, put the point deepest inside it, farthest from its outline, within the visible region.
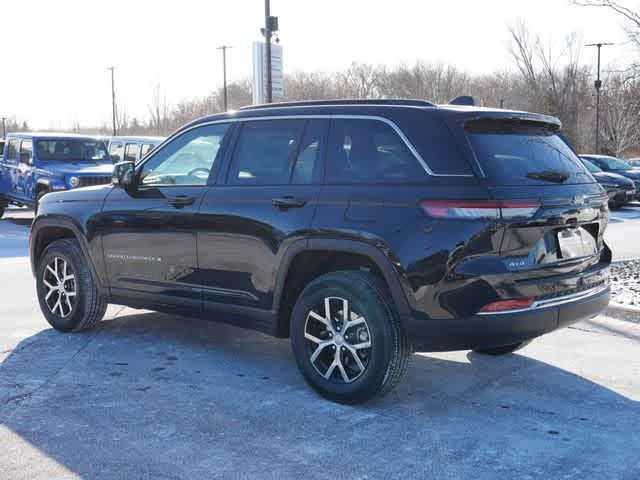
(67, 292)
(368, 344)
(502, 350)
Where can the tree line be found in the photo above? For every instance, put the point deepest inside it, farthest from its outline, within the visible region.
(545, 77)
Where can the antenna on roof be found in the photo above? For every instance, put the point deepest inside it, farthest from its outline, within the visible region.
(463, 100)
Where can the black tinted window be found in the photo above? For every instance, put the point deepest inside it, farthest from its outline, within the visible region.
(520, 153)
(308, 166)
(369, 151)
(265, 152)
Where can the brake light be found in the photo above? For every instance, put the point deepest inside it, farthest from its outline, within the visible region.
(506, 305)
(491, 209)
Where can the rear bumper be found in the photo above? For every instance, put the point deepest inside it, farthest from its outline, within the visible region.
(496, 329)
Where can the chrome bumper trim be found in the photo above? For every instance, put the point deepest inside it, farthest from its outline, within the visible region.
(554, 302)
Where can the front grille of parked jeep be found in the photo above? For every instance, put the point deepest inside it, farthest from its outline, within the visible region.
(91, 180)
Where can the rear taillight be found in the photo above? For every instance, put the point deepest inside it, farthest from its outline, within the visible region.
(519, 303)
(491, 209)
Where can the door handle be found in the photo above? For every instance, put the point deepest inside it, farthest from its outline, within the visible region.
(181, 201)
(288, 201)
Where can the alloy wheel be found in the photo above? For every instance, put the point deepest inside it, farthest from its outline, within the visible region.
(338, 341)
(60, 282)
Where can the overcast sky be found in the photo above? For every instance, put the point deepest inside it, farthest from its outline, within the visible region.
(56, 52)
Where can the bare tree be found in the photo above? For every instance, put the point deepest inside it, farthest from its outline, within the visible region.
(556, 82)
(360, 80)
(159, 111)
(620, 113)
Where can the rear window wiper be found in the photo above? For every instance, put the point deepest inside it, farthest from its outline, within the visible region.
(548, 176)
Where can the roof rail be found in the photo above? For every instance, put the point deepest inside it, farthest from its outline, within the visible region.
(349, 101)
(463, 100)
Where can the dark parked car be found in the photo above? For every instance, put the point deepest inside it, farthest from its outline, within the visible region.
(615, 165)
(359, 229)
(621, 190)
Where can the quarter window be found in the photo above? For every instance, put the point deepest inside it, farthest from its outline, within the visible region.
(115, 152)
(369, 151)
(265, 152)
(187, 160)
(130, 151)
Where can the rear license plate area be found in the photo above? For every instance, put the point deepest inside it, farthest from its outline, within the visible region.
(576, 243)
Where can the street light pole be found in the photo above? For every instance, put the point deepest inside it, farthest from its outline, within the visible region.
(267, 39)
(4, 127)
(224, 73)
(598, 85)
(113, 100)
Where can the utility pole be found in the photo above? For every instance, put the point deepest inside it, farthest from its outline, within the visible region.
(502, 103)
(598, 85)
(113, 100)
(224, 73)
(267, 39)
(4, 127)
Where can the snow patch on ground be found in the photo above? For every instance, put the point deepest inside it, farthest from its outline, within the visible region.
(625, 283)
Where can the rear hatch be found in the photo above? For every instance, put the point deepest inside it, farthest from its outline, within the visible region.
(563, 212)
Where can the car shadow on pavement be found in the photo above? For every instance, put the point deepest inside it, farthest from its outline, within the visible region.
(151, 395)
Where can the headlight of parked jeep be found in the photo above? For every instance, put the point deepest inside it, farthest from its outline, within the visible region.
(74, 181)
(610, 186)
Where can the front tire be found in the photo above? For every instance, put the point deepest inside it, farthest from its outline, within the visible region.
(67, 292)
(347, 338)
(496, 351)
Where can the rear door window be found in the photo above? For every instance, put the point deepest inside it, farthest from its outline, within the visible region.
(130, 152)
(369, 151)
(265, 152)
(524, 153)
(115, 151)
(146, 148)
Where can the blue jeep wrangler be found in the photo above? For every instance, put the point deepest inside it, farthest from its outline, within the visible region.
(34, 164)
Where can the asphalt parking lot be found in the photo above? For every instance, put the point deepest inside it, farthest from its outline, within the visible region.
(156, 396)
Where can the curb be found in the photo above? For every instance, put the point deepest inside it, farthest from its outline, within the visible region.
(621, 312)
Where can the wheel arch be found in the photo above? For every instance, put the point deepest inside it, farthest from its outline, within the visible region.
(44, 231)
(332, 254)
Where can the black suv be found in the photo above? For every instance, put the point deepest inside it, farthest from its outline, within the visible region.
(359, 229)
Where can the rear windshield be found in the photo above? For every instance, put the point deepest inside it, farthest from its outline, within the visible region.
(71, 150)
(524, 153)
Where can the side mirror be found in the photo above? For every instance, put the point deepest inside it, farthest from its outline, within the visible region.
(123, 173)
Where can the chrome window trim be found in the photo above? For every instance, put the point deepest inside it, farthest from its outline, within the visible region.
(554, 302)
(390, 123)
